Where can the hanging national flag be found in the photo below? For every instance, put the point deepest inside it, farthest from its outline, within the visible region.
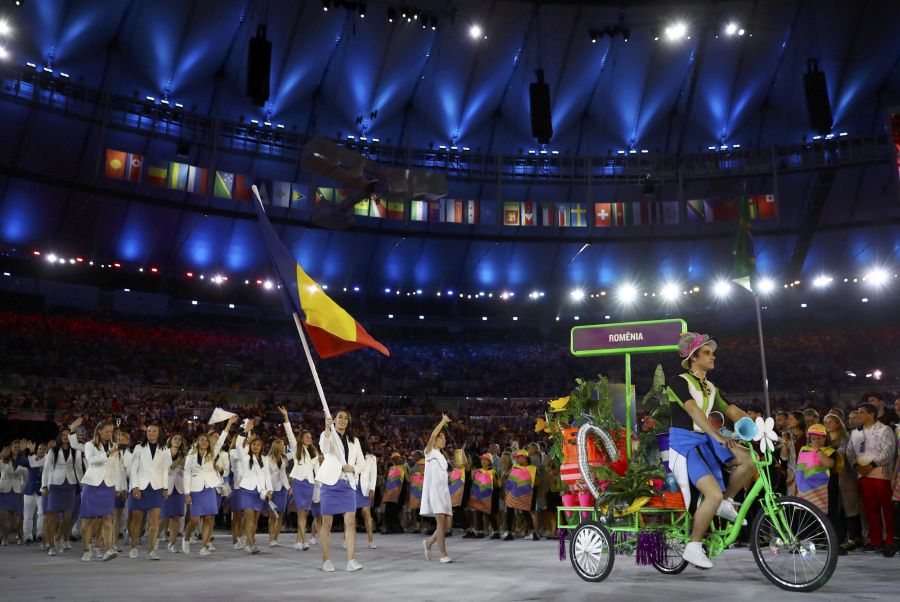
(196, 180)
(224, 184)
(281, 193)
(762, 206)
(298, 192)
(697, 211)
(395, 209)
(512, 214)
(453, 211)
(178, 175)
(579, 216)
(743, 270)
(242, 188)
(670, 212)
(377, 206)
(157, 175)
(602, 215)
(726, 210)
(330, 328)
(134, 165)
(362, 207)
(528, 217)
(418, 211)
(562, 214)
(618, 214)
(115, 164)
(472, 212)
(548, 214)
(434, 211)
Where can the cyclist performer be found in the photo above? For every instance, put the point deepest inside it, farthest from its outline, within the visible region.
(697, 449)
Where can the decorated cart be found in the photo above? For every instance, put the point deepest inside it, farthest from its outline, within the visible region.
(620, 500)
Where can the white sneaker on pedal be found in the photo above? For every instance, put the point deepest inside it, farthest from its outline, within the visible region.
(328, 566)
(353, 565)
(726, 510)
(693, 553)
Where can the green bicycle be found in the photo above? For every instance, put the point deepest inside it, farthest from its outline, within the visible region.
(792, 541)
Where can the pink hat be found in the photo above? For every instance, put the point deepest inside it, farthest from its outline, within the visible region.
(691, 342)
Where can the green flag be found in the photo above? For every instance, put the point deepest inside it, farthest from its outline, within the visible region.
(743, 270)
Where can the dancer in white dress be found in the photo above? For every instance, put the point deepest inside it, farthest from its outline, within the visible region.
(436, 491)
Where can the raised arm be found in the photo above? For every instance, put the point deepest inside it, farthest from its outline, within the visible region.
(221, 442)
(288, 431)
(437, 431)
(242, 453)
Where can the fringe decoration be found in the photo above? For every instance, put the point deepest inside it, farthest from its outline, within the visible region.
(650, 548)
(562, 545)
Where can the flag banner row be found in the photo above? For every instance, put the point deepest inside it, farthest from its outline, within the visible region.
(132, 167)
(760, 206)
(451, 211)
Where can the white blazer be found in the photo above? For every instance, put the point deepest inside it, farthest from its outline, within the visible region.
(12, 478)
(176, 478)
(147, 470)
(303, 468)
(368, 477)
(235, 458)
(332, 468)
(279, 476)
(253, 477)
(102, 468)
(198, 476)
(65, 471)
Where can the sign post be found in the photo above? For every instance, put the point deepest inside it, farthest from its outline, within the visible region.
(627, 338)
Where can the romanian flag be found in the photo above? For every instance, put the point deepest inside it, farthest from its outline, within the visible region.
(331, 329)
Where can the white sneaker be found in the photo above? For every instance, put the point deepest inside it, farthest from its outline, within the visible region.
(110, 554)
(372, 545)
(51, 552)
(274, 544)
(328, 566)
(186, 546)
(693, 553)
(172, 549)
(86, 556)
(98, 553)
(211, 547)
(59, 546)
(446, 559)
(204, 552)
(313, 541)
(67, 545)
(133, 553)
(352, 565)
(152, 555)
(252, 549)
(425, 548)
(194, 539)
(726, 510)
(299, 546)
(240, 544)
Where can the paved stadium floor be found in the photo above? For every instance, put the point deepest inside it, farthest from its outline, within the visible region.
(482, 570)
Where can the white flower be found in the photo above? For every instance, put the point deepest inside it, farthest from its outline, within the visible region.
(765, 433)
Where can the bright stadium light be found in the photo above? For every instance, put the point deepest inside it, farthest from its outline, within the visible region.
(475, 31)
(822, 281)
(627, 293)
(877, 277)
(731, 29)
(721, 289)
(268, 285)
(5, 28)
(766, 286)
(51, 258)
(676, 31)
(577, 294)
(669, 291)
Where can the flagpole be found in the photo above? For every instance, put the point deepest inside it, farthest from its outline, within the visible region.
(312, 365)
(762, 356)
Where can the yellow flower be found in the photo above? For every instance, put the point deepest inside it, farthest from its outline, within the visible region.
(560, 404)
(540, 426)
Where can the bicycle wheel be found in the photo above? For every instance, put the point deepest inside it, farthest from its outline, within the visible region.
(672, 563)
(591, 551)
(807, 561)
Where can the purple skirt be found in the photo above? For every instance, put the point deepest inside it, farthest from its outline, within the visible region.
(120, 503)
(279, 498)
(150, 499)
(303, 492)
(338, 498)
(362, 501)
(246, 498)
(61, 498)
(11, 502)
(97, 501)
(205, 502)
(316, 509)
(44, 500)
(173, 507)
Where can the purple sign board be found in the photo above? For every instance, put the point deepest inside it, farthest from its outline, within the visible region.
(630, 337)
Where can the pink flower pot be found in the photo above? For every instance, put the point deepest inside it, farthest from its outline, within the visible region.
(569, 500)
(585, 499)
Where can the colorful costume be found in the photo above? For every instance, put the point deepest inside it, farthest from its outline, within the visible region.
(812, 476)
(481, 491)
(393, 483)
(519, 487)
(457, 486)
